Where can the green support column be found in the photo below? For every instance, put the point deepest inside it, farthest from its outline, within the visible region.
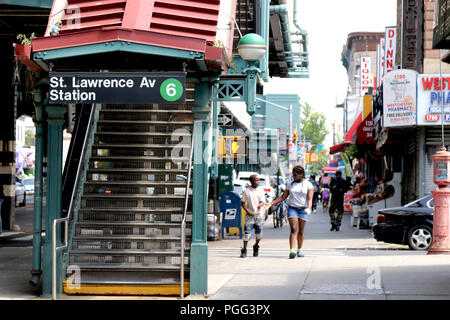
(199, 246)
(216, 111)
(37, 213)
(54, 189)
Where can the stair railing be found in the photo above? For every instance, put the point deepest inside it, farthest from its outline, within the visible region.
(67, 219)
(183, 220)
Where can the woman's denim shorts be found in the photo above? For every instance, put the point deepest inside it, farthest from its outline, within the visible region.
(298, 213)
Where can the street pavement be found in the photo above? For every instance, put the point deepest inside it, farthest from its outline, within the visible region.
(344, 265)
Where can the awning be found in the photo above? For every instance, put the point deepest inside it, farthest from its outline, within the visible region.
(329, 169)
(338, 148)
(364, 134)
(350, 136)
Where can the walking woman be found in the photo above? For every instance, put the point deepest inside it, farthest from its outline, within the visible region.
(300, 193)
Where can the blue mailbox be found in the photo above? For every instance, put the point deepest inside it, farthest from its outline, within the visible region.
(230, 209)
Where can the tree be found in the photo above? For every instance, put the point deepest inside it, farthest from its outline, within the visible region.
(313, 126)
(314, 131)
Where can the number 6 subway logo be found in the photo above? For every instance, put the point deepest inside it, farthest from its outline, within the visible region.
(171, 90)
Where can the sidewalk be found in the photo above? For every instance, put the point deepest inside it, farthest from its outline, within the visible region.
(348, 264)
(344, 265)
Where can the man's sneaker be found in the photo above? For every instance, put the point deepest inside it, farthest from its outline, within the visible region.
(333, 226)
(292, 255)
(255, 250)
(243, 253)
(300, 254)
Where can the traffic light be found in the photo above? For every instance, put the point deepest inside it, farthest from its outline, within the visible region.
(295, 138)
(231, 147)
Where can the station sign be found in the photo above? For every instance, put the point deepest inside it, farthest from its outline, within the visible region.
(116, 87)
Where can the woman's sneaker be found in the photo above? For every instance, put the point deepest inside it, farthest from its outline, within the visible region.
(300, 254)
(292, 255)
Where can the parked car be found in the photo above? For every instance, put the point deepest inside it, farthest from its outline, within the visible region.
(20, 198)
(411, 224)
(267, 183)
(245, 175)
(282, 184)
(29, 185)
(239, 186)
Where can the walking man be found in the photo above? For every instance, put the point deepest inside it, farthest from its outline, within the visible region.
(338, 188)
(255, 198)
(316, 192)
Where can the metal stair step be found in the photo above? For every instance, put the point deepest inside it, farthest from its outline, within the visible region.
(140, 145)
(138, 259)
(130, 267)
(137, 215)
(137, 170)
(108, 277)
(146, 122)
(135, 210)
(139, 183)
(153, 252)
(127, 237)
(133, 196)
(129, 224)
(150, 134)
(121, 111)
(138, 158)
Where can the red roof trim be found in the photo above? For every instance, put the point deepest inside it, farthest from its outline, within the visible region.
(118, 34)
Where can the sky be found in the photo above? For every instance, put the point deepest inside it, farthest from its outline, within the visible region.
(328, 23)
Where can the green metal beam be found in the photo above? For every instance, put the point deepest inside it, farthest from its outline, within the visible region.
(116, 46)
(54, 195)
(46, 4)
(199, 246)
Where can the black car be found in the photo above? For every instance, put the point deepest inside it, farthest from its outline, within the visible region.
(411, 224)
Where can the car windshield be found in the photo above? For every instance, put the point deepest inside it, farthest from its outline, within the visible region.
(263, 182)
(238, 189)
(281, 179)
(28, 182)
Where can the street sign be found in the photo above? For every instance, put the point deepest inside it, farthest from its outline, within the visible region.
(117, 87)
(225, 120)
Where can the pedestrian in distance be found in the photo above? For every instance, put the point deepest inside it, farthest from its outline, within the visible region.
(255, 198)
(325, 180)
(300, 197)
(338, 188)
(325, 197)
(315, 184)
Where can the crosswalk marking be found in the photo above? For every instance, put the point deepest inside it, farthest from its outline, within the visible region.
(280, 252)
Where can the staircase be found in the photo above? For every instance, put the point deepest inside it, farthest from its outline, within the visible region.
(244, 19)
(126, 238)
